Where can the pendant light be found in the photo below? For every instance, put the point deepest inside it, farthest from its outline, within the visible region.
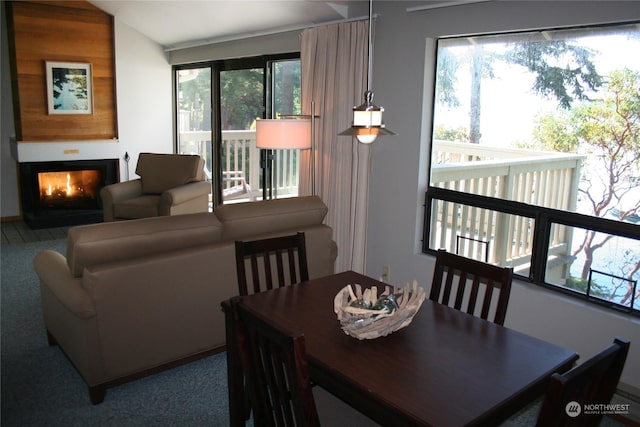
(367, 117)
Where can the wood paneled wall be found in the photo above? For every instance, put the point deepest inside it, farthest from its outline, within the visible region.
(64, 31)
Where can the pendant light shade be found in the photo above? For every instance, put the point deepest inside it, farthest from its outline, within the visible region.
(367, 121)
(367, 118)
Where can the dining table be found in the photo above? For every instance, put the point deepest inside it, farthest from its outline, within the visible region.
(446, 368)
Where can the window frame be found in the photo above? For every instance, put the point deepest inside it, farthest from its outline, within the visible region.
(543, 217)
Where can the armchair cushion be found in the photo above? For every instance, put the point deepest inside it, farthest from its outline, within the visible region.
(161, 172)
(139, 207)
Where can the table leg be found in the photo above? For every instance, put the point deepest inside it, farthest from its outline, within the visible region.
(235, 375)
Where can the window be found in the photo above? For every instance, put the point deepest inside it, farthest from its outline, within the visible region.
(217, 104)
(535, 159)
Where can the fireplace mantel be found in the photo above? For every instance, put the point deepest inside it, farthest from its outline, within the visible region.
(41, 151)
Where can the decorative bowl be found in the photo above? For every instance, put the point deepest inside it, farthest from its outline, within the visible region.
(363, 314)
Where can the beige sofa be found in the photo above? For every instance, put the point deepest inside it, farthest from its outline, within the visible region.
(135, 297)
(169, 184)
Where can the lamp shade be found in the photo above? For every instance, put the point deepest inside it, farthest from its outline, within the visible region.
(367, 121)
(281, 134)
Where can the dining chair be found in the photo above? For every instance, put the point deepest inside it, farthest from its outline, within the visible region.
(459, 281)
(592, 382)
(275, 362)
(269, 261)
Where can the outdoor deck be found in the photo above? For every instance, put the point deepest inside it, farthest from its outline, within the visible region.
(535, 177)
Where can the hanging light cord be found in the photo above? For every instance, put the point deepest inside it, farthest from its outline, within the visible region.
(370, 48)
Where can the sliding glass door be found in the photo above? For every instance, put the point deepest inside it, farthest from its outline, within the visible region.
(217, 105)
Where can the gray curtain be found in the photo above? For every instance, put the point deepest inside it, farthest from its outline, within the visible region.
(334, 73)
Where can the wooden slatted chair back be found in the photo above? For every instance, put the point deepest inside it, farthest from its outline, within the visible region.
(472, 286)
(591, 383)
(268, 263)
(275, 362)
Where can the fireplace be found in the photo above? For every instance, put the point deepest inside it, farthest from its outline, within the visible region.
(64, 193)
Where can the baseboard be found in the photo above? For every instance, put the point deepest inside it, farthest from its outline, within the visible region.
(11, 218)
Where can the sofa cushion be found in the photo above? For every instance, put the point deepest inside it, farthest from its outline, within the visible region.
(161, 172)
(139, 207)
(96, 244)
(242, 220)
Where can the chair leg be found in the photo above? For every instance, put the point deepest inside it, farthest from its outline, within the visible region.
(97, 394)
(50, 339)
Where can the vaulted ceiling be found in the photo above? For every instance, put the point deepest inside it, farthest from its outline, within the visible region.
(181, 23)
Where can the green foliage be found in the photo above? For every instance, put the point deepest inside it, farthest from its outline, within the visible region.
(241, 98)
(580, 285)
(459, 134)
(608, 127)
(565, 83)
(446, 79)
(195, 97)
(613, 123)
(241, 95)
(556, 133)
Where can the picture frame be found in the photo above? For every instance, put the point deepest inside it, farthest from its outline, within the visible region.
(69, 88)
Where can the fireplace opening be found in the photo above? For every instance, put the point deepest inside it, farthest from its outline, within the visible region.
(58, 194)
(70, 189)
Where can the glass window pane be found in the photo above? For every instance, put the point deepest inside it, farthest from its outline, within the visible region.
(194, 115)
(241, 103)
(482, 234)
(286, 101)
(605, 266)
(286, 77)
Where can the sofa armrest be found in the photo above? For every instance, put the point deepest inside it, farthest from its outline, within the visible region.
(51, 267)
(178, 195)
(113, 193)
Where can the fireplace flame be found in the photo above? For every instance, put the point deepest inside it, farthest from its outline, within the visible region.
(63, 185)
(69, 189)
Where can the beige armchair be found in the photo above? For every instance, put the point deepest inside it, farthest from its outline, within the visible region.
(169, 184)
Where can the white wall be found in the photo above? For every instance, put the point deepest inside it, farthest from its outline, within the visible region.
(399, 173)
(143, 96)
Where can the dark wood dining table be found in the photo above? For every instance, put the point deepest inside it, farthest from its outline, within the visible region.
(446, 368)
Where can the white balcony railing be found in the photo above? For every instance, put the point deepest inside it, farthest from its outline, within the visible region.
(241, 163)
(539, 178)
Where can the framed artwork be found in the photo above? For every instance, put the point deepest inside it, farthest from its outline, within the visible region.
(69, 88)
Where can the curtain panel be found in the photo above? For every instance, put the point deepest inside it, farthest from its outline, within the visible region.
(334, 77)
